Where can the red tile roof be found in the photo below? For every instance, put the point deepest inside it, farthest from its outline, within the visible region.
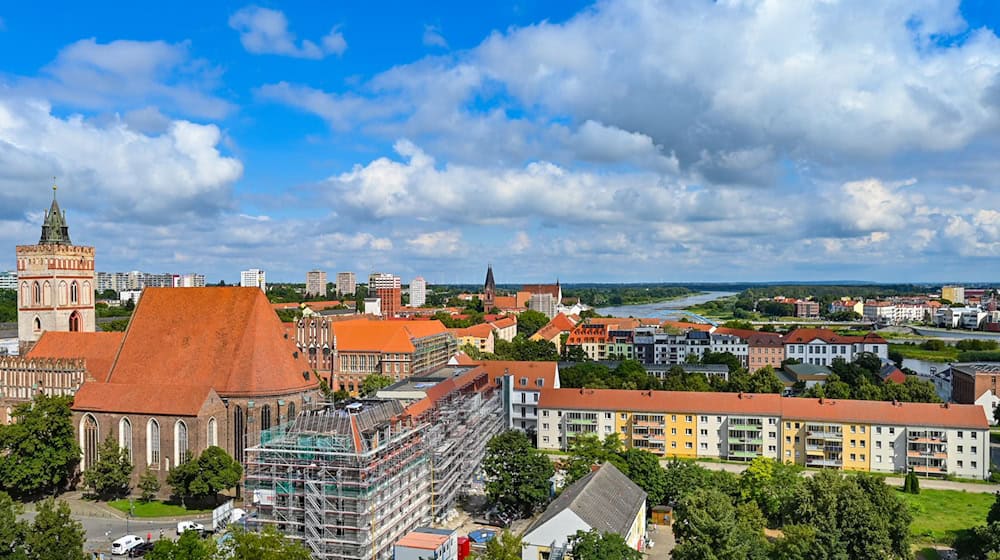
(475, 377)
(799, 336)
(558, 325)
(819, 410)
(382, 336)
(552, 289)
(97, 348)
(682, 325)
(505, 302)
(131, 398)
(547, 371)
(482, 330)
(422, 541)
(504, 322)
(225, 338)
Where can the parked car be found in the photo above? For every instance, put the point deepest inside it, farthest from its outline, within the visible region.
(121, 546)
(140, 550)
(184, 526)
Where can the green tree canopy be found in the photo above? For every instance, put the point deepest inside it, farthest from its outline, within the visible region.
(709, 527)
(189, 547)
(213, 471)
(591, 545)
(268, 544)
(530, 321)
(772, 485)
(55, 535)
(109, 476)
(373, 383)
(12, 531)
(149, 485)
(517, 474)
(588, 450)
(505, 546)
(38, 452)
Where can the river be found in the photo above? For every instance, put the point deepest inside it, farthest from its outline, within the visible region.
(663, 309)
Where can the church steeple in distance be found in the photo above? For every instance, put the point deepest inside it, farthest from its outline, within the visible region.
(489, 290)
(55, 231)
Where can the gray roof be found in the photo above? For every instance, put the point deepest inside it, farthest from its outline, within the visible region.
(605, 499)
(709, 368)
(806, 369)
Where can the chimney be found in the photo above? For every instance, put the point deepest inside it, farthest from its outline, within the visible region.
(821, 400)
(740, 396)
(595, 468)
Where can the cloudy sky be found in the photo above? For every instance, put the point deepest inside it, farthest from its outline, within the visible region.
(684, 140)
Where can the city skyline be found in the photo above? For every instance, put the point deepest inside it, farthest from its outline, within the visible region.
(607, 142)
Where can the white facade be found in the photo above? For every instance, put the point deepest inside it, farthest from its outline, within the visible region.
(738, 437)
(253, 278)
(819, 352)
(732, 344)
(418, 292)
(347, 283)
(189, 280)
(543, 303)
(315, 283)
(373, 306)
(8, 280)
(129, 295)
(378, 280)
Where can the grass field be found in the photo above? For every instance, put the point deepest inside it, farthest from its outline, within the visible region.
(156, 509)
(949, 354)
(940, 515)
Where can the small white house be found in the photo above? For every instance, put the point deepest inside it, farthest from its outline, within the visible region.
(605, 500)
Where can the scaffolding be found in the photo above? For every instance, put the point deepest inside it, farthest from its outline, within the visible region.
(351, 481)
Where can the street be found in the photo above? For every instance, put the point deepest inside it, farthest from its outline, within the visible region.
(102, 530)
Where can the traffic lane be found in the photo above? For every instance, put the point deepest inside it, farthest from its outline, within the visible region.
(102, 531)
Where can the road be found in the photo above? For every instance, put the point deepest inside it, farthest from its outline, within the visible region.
(103, 529)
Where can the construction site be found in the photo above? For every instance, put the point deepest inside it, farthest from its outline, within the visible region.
(350, 480)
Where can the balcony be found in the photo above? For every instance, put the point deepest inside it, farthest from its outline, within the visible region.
(744, 454)
(927, 440)
(744, 426)
(581, 421)
(927, 469)
(826, 434)
(926, 454)
(746, 440)
(823, 463)
(649, 423)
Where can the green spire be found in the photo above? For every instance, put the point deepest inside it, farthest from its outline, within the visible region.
(54, 230)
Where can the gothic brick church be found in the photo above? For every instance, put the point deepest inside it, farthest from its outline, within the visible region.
(196, 366)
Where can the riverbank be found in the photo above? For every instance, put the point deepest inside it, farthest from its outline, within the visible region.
(673, 308)
(945, 355)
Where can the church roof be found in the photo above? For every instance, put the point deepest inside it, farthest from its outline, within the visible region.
(489, 284)
(97, 348)
(55, 231)
(228, 339)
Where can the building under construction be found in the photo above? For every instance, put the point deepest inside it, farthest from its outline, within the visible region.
(351, 480)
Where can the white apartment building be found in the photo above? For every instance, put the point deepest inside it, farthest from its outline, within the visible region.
(253, 278)
(418, 292)
(383, 280)
(891, 313)
(523, 384)
(8, 280)
(347, 283)
(822, 346)
(189, 280)
(315, 283)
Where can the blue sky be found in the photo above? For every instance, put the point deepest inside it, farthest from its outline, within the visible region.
(609, 141)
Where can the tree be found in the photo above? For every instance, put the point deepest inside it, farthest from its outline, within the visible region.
(505, 546)
(643, 468)
(149, 485)
(911, 484)
(12, 531)
(268, 544)
(517, 474)
(591, 545)
(588, 450)
(39, 451)
(205, 477)
(709, 527)
(796, 543)
(772, 486)
(109, 476)
(994, 514)
(373, 383)
(55, 535)
(189, 547)
(530, 321)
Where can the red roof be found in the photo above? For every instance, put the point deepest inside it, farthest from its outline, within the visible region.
(365, 335)
(799, 336)
(558, 325)
(482, 330)
(682, 325)
(552, 289)
(130, 398)
(225, 338)
(422, 541)
(504, 322)
(505, 302)
(97, 348)
(546, 371)
(819, 410)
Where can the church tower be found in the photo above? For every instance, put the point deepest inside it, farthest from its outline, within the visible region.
(489, 290)
(55, 282)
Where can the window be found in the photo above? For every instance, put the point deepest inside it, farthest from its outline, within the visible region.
(125, 436)
(878, 429)
(213, 432)
(788, 425)
(540, 382)
(545, 439)
(853, 443)
(975, 435)
(863, 443)
(673, 431)
(688, 445)
(854, 429)
(788, 453)
(862, 429)
(36, 292)
(959, 448)
(892, 431)
(524, 397)
(536, 397)
(878, 458)
(973, 449)
(853, 457)
(673, 417)
(89, 440)
(704, 432)
(180, 442)
(524, 381)
(74, 292)
(974, 464)
(704, 418)
(688, 418)
(772, 421)
(607, 416)
(796, 425)
(718, 419)
(265, 417)
(673, 444)
(960, 434)
(545, 413)
(74, 322)
(545, 426)
(703, 445)
(878, 444)
(38, 324)
(153, 444)
(862, 456)
(788, 439)
(772, 435)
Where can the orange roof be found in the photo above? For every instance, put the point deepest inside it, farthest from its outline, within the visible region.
(881, 412)
(552, 289)
(482, 330)
(475, 376)
(558, 325)
(422, 541)
(97, 348)
(504, 322)
(808, 335)
(505, 302)
(225, 338)
(363, 335)
(463, 359)
(753, 338)
(660, 401)
(546, 371)
(133, 398)
(819, 410)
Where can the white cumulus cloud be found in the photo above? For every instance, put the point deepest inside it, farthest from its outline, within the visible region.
(265, 31)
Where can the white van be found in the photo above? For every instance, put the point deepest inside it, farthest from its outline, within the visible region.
(189, 526)
(125, 544)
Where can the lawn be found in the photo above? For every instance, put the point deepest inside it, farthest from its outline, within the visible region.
(940, 515)
(156, 509)
(949, 354)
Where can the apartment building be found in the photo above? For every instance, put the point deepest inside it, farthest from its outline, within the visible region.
(976, 383)
(254, 278)
(315, 283)
(418, 292)
(929, 439)
(347, 283)
(522, 384)
(8, 280)
(388, 289)
(822, 346)
(479, 336)
(954, 294)
(604, 340)
(654, 347)
(847, 305)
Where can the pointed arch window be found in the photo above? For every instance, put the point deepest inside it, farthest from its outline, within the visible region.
(213, 432)
(265, 417)
(74, 321)
(153, 443)
(125, 436)
(36, 293)
(239, 434)
(291, 411)
(38, 324)
(74, 292)
(89, 440)
(180, 442)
